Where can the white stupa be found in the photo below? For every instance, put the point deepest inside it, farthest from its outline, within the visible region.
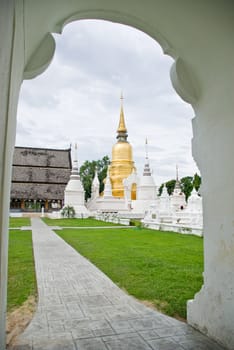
(178, 201)
(164, 212)
(146, 189)
(108, 187)
(74, 194)
(95, 186)
(106, 203)
(194, 209)
(172, 213)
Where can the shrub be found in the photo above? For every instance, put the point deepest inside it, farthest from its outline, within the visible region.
(68, 212)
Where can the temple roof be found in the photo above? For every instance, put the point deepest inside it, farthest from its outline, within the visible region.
(42, 157)
(37, 191)
(32, 174)
(40, 173)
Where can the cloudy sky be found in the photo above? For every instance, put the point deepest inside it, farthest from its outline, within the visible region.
(77, 99)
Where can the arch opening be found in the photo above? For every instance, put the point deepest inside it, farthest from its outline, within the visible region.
(77, 109)
(187, 87)
(146, 110)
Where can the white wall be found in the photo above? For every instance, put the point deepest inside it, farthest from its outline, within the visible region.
(199, 35)
(11, 70)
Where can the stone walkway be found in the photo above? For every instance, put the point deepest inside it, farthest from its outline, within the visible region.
(82, 309)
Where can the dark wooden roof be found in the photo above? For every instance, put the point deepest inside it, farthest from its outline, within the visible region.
(37, 175)
(40, 173)
(42, 157)
(37, 191)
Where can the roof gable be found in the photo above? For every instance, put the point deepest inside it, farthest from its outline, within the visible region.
(42, 157)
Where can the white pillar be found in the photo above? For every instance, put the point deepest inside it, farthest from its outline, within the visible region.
(212, 310)
(10, 79)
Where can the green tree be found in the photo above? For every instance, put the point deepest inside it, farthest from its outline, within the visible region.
(87, 172)
(186, 184)
(170, 186)
(160, 189)
(196, 181)
(102, 166)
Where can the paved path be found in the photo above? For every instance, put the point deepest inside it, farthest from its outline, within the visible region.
(81, 309)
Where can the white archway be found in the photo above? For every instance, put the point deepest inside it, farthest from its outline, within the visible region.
(201, 74)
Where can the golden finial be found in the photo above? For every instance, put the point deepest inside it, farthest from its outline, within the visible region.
(121, 127)
(121, 98)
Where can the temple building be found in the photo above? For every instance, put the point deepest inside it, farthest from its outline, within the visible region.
(122, 163)
(39, 178)
(125, 192)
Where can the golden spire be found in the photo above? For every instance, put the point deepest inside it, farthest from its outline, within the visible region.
(122, 127)
(122, 161)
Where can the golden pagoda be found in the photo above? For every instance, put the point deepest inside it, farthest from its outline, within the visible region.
(122, 163)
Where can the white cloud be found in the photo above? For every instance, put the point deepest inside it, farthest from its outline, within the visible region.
(77, 99)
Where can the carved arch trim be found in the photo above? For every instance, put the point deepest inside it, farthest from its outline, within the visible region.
(183, 79)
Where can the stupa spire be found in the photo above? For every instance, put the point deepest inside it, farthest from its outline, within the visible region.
(75, 171)
(122, 130)
(177, 184)
(147, 171)
(146, 148)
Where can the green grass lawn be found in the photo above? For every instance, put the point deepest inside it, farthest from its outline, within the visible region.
(163, 268)
(18, 222)
(21, 273)
(77, 222)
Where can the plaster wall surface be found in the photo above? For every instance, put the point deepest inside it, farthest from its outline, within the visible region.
(111, 204)
(199, 36)
(11, 71)
(73, 198)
